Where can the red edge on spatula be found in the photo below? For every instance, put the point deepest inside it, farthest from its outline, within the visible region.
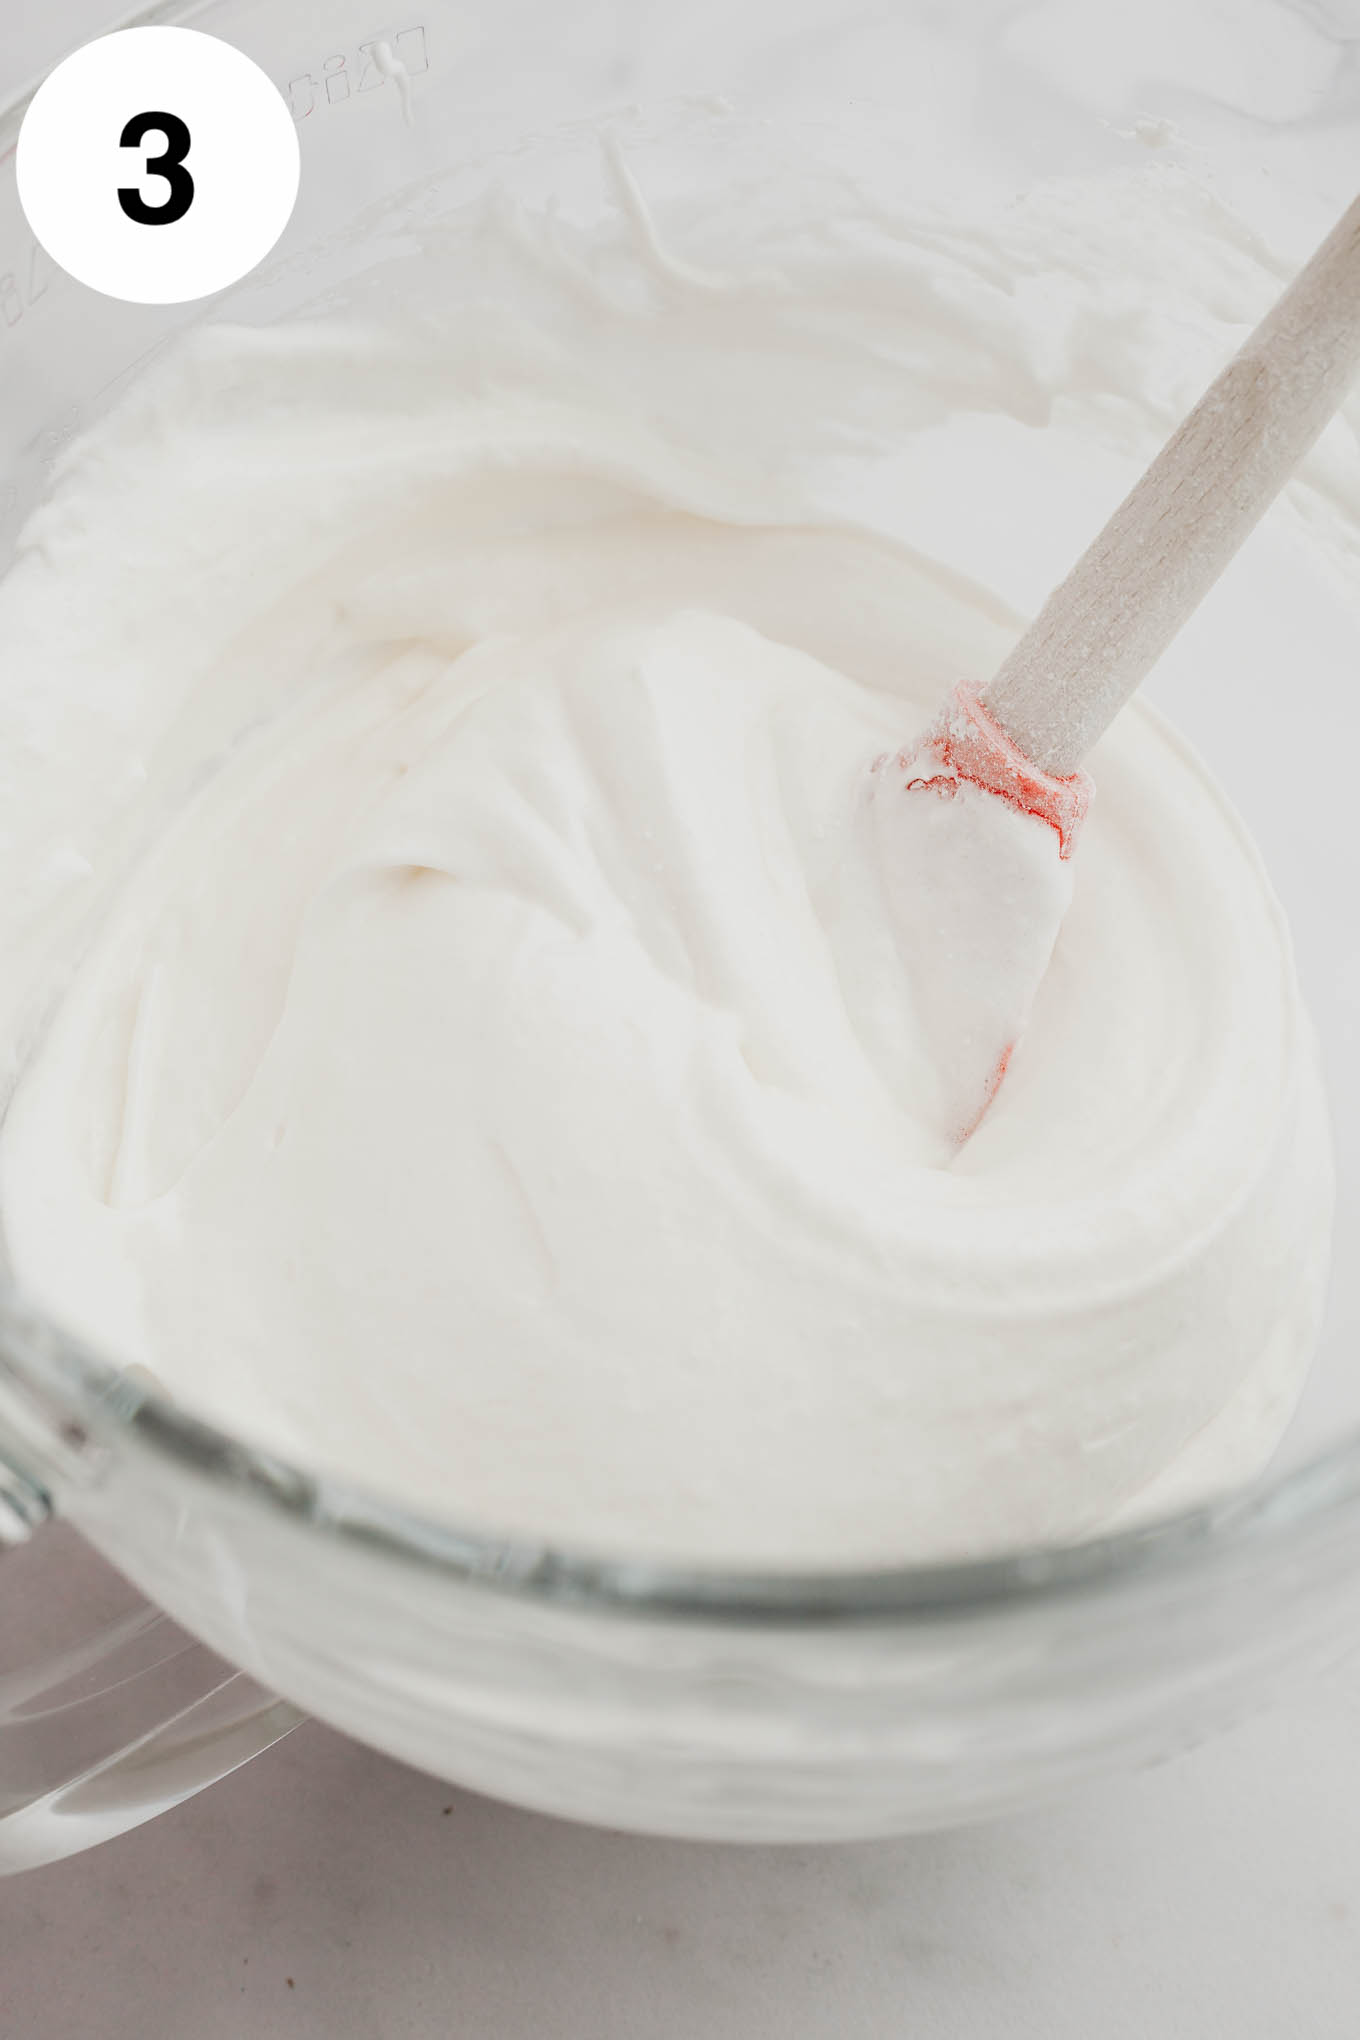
(967, 744)
(1003, 1063)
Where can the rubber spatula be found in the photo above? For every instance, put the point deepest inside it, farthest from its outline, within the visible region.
(976, 821)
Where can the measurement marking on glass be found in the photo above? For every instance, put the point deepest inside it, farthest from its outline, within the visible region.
(349, 73)
(24, 286)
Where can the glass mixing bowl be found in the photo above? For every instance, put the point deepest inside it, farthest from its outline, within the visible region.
(685, 1703)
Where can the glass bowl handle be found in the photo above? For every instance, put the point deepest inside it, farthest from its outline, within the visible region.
(117, 1730)
(121, 1726)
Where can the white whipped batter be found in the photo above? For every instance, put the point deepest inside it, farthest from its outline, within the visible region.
(494, 1069)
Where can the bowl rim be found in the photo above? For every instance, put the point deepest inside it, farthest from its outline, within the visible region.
(92, 1411)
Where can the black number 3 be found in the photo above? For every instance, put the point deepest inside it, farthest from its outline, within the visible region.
(170, 166)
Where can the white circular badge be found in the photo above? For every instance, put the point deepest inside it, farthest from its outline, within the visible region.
(158, 165)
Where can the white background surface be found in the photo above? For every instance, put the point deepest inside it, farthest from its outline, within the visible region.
(1219, 1896)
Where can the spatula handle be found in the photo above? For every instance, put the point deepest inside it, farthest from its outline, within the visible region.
(1102, 630)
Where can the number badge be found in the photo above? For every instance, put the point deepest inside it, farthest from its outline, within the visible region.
(158, 165)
